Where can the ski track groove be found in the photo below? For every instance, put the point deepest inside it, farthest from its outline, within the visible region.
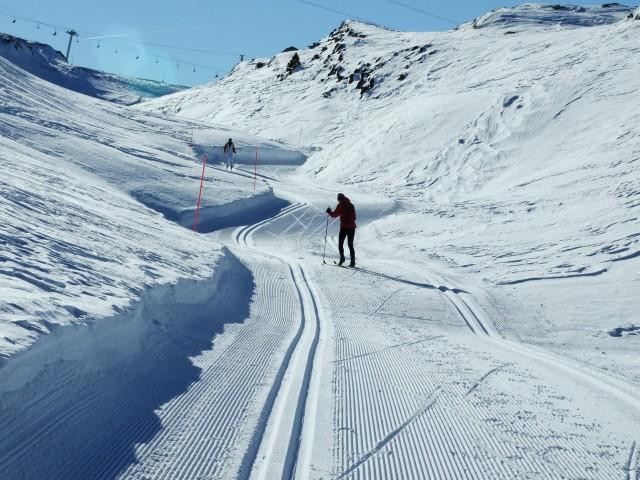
(310, 320)
(205, 423)
(485, 376)
(299, 415)
(250, 455)
(454, 425)
(633, 463)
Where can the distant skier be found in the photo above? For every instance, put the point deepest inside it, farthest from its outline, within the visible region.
(347, 213)
(229, 152)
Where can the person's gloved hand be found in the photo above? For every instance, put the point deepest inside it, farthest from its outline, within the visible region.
(328, 210)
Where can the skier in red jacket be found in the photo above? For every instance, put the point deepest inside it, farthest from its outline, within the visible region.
(347, 213)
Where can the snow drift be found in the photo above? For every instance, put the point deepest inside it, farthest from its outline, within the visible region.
(141, 357)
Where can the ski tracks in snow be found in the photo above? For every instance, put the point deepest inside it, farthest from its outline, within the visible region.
(632, 468)
(207, 430)
(388, 383)
(493, 418)
(607, 384)
(283, 441)
(435, 406)
(415, 396)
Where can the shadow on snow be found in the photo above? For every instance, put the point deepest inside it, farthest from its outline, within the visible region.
(84, 397)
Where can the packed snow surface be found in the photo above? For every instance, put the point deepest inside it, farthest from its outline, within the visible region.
(51, 65)
(489, 330)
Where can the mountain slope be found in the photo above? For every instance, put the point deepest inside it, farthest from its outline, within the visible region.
(435, 100)
(94, 200)
(554, 16)
(510, 151)
(43, 61)
(496, 186)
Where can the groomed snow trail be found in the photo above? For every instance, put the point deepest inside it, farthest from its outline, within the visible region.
(284, 450)
(173, 392)
(421, 387)
(207, 430)
(298, 370)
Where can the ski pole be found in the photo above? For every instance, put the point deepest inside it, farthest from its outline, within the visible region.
(326, 229)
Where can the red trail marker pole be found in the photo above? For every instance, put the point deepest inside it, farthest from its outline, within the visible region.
(255, 168)
(197, 215)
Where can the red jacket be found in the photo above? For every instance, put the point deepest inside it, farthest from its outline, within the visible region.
(347, 213)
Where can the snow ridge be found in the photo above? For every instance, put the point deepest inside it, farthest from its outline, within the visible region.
(540, 14)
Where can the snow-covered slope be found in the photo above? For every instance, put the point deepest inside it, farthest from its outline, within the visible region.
(79, 241)
(511, 151)
(557, 15)
(496, 182)
(49, 64)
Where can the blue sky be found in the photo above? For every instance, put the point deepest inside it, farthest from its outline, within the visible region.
(221, 29)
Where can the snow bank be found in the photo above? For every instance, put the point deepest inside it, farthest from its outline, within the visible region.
(107, 376)
(51, 65)
(84, 184)
(77, 249)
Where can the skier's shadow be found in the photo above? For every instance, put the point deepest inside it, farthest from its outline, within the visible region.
(409, 282)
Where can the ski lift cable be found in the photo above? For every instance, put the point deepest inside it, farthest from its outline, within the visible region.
(152, 55)
(185, 49)
(424, 12)
(25, 19)
(344, 14)
(121, 47)
(121, 36)
(94, 36)
(159, 30)
(84, 33)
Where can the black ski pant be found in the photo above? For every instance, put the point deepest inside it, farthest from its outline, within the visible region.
(348, 233)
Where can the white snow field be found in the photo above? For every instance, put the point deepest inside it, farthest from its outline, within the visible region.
(490, 330)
